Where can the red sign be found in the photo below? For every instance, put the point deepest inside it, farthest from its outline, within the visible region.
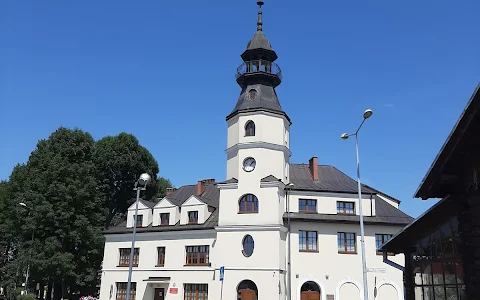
(173, 290)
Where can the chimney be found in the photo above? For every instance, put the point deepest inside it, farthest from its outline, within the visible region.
(170, 190)
(201, 185)
(313, 166)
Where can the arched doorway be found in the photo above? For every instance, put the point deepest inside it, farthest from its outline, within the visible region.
(247, 290)
(310, 291)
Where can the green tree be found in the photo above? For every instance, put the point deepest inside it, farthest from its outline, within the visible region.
(162, 185)
(60, 186)
(120, 160)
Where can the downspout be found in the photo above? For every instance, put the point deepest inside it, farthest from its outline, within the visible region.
(391, 263)
(289, 267)
(371, 206)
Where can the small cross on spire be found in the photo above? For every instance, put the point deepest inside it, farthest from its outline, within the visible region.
(259, 21)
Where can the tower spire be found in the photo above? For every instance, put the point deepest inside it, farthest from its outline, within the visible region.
(259, 20)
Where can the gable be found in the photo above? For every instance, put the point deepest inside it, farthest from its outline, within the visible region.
(164, 203)
(140, 206)
(192, 200)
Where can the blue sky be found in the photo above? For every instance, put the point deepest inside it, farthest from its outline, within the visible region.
(164, 71)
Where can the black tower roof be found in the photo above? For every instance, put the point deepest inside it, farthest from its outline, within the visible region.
(258, 75)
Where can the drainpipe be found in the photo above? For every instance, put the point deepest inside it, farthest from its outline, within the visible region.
(289, 266)
(392, 263)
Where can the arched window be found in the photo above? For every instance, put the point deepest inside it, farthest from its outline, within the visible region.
(250, 128)
(248, 204)
(247, 290)
(248, 245)
(310, 290)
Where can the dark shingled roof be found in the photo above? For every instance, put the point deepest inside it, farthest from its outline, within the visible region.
(330, 179)
(265, 99)
(259, 41)
(231, 180)
(148, 204)
(385, 214)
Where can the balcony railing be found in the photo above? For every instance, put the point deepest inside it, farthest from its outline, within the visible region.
(259, 66)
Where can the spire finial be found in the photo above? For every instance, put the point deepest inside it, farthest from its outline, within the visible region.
(259, 21)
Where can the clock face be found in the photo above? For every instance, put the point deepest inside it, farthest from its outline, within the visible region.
(249, 164)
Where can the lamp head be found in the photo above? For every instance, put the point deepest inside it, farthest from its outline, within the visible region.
(344, 136)
(144, 179)
(367, 114)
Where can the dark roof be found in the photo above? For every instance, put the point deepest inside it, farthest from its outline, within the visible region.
(457, 148)
(211, 222)
(265, 100)
(148, 204)
(269, 178)
(382, 193)
(259, 41)
(424, 225)
(210, 195)
(385, 214)
(330, 179)
(231, 180)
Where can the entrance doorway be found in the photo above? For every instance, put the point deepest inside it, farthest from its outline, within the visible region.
(247, 290)
(159, 294)
(310, 291)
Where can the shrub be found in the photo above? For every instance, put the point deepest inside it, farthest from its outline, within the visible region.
(26, 297)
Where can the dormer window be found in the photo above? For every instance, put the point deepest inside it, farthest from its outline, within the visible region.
(139, 220)
(193, 217)
(250, 128)
(346, 208)
(165, 219)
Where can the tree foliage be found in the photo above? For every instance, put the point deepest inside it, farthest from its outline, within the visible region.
(73, 187)
(120, 160)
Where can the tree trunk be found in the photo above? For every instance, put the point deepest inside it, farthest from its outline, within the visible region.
(42, 290)
(57, 291)
(49, 290)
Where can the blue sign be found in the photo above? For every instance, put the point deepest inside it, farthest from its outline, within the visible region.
(222, 273)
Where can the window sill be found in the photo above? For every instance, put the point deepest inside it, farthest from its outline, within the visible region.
(192, 223)
(198, 265)
(162, 265)
(164, 224)
(347, 252)
(307, 211)
(346, 214)
(126, 266)
(308, 251)
(248, 212)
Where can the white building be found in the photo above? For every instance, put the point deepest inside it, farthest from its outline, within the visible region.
(241, 224)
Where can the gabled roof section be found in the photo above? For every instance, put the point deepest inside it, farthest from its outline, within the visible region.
(382, 193)
(231, 180)
(330, 179)
(385, 214)
(431, 185)
(269, 178)
(148, 204)
(164, 199)
(210, 195)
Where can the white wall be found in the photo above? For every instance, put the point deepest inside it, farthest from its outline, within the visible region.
(142, 211)
(174, 243)
(166, 207)
(193, 204)
(327, 202)
(330, 269)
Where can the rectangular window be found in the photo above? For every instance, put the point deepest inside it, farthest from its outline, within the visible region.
(307, 241)
(124, 259)
(381, 239)
(195, 292)
(121, 293)
(347, 208)
(165, 219)
(306, 205)
(192, 217)
(161, 256)
(197, 255)
(139, 220)
(347, 242)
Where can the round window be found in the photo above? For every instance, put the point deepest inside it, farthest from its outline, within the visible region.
(248, 245)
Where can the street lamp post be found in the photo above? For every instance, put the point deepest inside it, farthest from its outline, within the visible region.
(367, 114)
(140, 185)
(29, 250)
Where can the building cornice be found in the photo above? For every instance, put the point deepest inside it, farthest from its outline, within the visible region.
(229, 228)
(227, 186)
(278, 184)
(234, 149)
